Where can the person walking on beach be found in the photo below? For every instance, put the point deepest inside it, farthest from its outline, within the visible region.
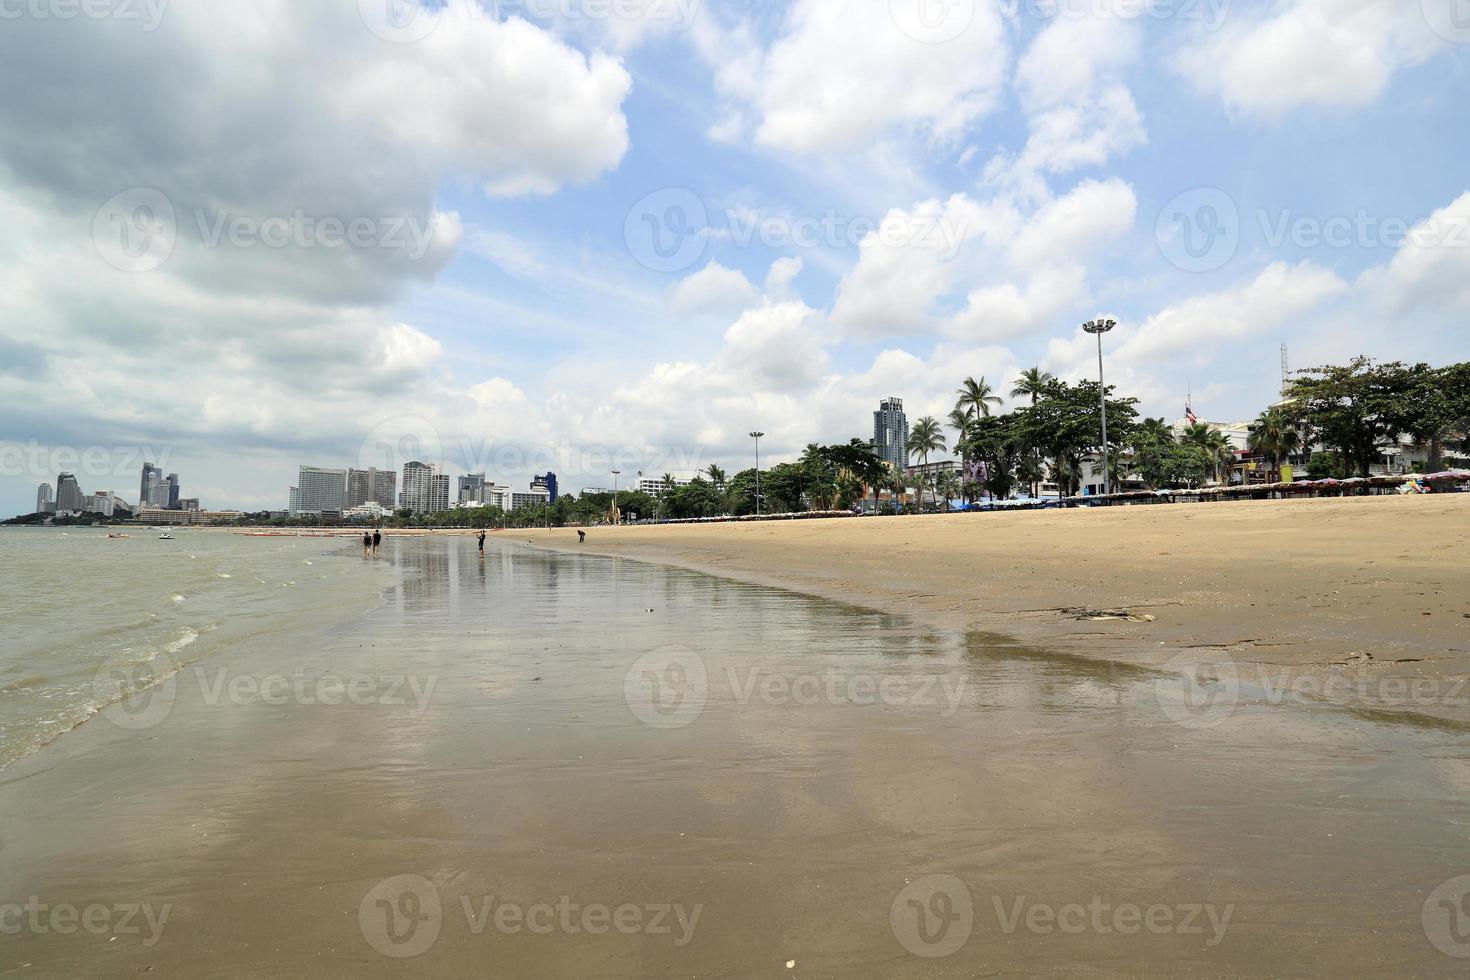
(367, 543)
(482, 544)
(377, 539)
(581, 536)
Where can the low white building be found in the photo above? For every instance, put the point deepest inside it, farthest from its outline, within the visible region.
(655, 484)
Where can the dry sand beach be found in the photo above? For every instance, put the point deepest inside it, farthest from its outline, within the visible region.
(1363, 599)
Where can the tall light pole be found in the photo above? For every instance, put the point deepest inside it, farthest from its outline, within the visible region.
(757, 437)
(616, 515)
(1100, 327)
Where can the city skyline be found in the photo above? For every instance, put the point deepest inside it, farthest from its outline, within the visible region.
(349, 486)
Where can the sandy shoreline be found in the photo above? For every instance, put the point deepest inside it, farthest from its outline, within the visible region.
(1362, 600)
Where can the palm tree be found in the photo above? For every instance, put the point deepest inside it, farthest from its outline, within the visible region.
(1212, 441)
(948, 486)
(977, 396)
(1274, 436)
(961, 420)
(1032, 384)
(1154, 431)
(925, 437)
(716, 476)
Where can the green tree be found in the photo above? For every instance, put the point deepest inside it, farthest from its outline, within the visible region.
(977, 396)
(1275, 436)
(1357, 408)
(924, 438)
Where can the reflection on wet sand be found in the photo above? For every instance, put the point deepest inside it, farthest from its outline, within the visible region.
(626, 770)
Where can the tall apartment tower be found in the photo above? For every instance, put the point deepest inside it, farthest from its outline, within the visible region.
(151, 475)
(44, 501)
(891, 432)
(173, 491)
(471, 489)
(438, 492)
(372, 485)
(319, 489)
(415, 493)
(547, 483)
(69, 494)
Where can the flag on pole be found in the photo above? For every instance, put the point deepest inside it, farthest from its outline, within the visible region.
(1189, 413)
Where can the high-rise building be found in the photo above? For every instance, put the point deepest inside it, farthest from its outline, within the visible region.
(319, 490)
(173, 491)
(438, 493)
(151, 474)
(891, 432)
(69, 495)
(415, 493)
(44, 501)
(471, 488)
(103, 502)
(547, 483)
(371, 485)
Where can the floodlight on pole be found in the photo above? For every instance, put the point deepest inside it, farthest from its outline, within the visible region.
(1099, 327)
(757, 437)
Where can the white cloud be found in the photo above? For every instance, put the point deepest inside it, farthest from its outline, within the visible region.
(841, 74)
(1019, 267)
(712, 289)
(1309, 53)
(1429, 274)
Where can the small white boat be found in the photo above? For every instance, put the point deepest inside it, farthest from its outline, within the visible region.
(167, 535)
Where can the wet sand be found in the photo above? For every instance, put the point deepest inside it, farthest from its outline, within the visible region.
(857, 792)
(1364, 600)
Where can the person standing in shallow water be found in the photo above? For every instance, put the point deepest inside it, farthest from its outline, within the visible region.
(377, 539)
(482, 544)
(367, 543)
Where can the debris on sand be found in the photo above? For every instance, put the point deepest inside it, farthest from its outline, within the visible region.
(1105, 615)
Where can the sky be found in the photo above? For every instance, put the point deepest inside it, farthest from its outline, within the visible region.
(586, 235)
